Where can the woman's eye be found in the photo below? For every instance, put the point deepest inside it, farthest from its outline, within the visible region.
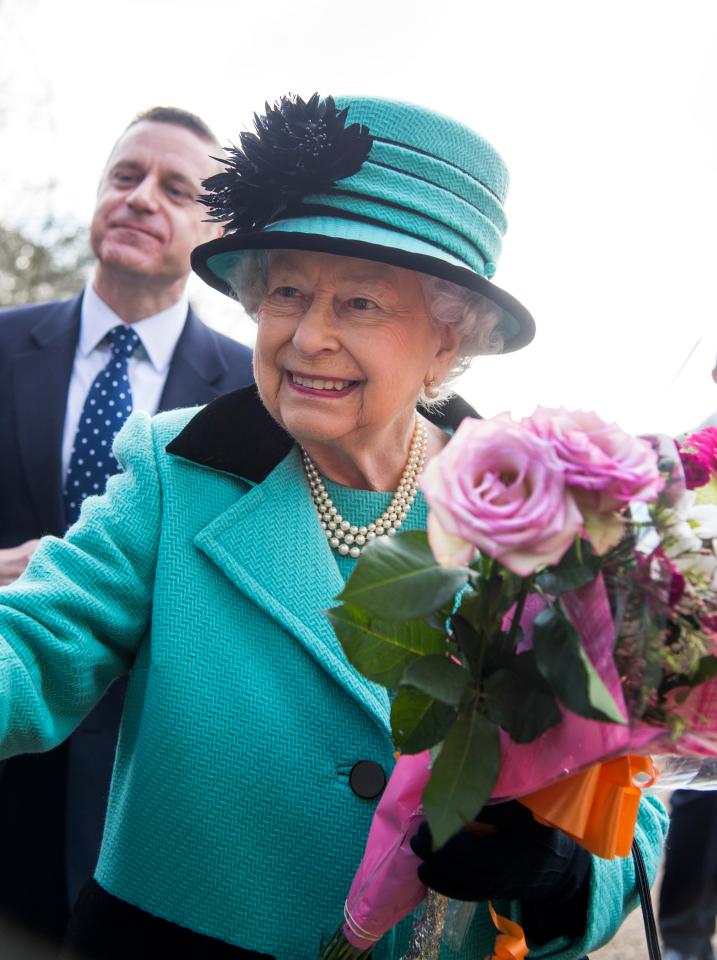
(287, 292)
(361, 303)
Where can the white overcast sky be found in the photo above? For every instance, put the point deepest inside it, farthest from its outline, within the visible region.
(606, 113)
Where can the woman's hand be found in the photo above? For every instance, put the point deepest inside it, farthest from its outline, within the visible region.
(506, 854)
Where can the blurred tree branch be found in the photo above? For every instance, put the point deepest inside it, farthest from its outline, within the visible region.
(51, 268)
(42, 256)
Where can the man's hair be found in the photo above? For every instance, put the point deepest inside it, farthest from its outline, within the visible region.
(179, 118)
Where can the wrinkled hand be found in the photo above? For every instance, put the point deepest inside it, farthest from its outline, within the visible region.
(13, 560)
(515, 858)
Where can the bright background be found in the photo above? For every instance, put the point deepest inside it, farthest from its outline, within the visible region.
(605, 111)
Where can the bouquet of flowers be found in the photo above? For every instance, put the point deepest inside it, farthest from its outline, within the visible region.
(554, 625)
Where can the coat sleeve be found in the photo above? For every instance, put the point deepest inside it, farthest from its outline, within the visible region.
(74, 620)
(613, 893)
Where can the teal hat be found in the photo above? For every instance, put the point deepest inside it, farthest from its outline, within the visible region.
(368, 178)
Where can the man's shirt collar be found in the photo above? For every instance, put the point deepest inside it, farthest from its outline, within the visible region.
(158, 333)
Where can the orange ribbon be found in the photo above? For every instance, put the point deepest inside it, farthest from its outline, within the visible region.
(597, 807)
(510, 943)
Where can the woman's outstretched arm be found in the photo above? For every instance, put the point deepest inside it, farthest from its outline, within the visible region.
(73, 621)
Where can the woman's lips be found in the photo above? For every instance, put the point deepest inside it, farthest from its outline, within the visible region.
(328, 387)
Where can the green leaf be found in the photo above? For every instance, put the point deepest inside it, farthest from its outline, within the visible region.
(418, 721)
(398, 577)
(463, 775)
(520, 700)
(484, 654)
(439, 677)
(440, 618)
(473, 607)
(706, 670)
(382, 649)
(484, 605)
(471, 642)
(576, 568)
(501, 650)
(563, 662)
(511, 586)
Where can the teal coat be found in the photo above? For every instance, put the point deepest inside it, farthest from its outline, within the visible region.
(230, 810)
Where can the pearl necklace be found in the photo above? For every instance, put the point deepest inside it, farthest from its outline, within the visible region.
(349, 539)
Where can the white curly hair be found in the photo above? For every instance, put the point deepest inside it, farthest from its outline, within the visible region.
(475, 316)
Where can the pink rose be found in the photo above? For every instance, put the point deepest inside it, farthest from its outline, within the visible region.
(606, 467)
(498, 488)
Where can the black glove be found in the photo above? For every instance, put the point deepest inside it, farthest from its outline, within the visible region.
(519, 860)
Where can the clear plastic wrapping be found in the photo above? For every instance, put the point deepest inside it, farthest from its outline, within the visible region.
(684, 773)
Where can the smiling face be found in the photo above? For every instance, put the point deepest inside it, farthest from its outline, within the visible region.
(343, 348)
(147, 219)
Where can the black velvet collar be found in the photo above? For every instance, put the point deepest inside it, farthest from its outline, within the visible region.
(236, 434)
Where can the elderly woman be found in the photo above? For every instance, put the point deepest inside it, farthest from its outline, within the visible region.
(361, 235)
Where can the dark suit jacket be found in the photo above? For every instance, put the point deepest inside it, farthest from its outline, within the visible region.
(37, 350)
(49, 797)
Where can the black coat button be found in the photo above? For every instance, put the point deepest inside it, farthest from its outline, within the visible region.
(367, 779)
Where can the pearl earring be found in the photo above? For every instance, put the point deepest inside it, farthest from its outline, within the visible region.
(430, 389)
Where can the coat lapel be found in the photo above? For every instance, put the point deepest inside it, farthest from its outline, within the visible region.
(41, 377)
(271, 546)
(270, 543)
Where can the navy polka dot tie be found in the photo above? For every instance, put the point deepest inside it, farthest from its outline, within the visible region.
(108, 404)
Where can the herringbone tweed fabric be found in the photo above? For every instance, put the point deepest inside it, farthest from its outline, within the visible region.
(230, 811)
(430, 175)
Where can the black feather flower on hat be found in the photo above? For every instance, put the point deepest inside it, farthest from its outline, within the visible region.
(299, 148)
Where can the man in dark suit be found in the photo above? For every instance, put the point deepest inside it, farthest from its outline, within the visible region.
(688, 895)
(129, 341)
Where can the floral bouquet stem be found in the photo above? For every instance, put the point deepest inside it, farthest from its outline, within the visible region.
(339, 948)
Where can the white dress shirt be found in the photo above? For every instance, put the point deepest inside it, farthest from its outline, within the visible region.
(148, 365)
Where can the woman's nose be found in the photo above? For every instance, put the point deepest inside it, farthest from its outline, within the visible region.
(316, 330)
